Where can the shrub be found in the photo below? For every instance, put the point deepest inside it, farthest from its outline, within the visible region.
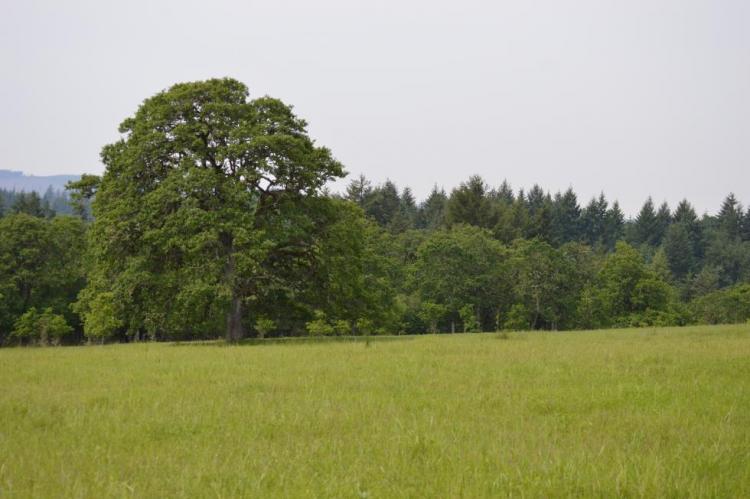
(42, 328)
(364, 327)
(319, 326)
(101, 320)
(518, 318)
(264, 326)
(469, 318)
(431, 313)
(24, 328)
(342, 328)
(726, 306)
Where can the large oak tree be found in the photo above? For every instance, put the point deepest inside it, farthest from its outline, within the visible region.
(208, 201)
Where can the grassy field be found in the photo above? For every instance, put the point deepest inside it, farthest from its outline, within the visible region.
(662, 412)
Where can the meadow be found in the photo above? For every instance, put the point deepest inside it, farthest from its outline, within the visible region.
(638, 412)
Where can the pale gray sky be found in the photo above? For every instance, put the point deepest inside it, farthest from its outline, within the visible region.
(629, 97)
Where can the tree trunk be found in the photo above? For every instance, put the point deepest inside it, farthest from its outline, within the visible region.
(453, 327)
(234, 319)
(234, 314)
(537, 311)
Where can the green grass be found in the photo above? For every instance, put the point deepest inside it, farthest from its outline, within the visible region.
(662, 412)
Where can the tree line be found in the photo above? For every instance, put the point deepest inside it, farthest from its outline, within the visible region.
(691, 250)
(213, 219)
(52, 202)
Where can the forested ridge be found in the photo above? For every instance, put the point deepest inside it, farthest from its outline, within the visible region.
(213, 219)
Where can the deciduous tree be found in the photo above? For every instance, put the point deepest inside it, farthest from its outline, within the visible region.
(205, 195)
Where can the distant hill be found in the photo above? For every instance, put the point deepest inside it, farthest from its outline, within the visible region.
(14, 180)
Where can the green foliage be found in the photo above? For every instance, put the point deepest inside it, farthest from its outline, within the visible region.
(463, 265)
(431, 214)
(595, 222)
(359, 190)
(705, 282)
(614, 227)
(31, 204)
(660, 266)
(517, 318)
(264, 326)
(365, 327)
(566, 225)
(354, 275)
(470, 205)
(730, 218)
(540, 212)
(52, 327)
(101, 317)
(548, 283)
(652, 318)
(43, 328)
(650, 225)
(726, 306)
(619, 277)
(213, 216)
(535, 273)
(469, 318)
(41, 266)
(651, 293)
(82, 191)
(431, 313)
(209, 204)
(745, 226)
(383, 204)
(320, 326)
(633, 294)
(730, 257)
(678, 250)
(25, 326)
(342, 328)
(590, 308)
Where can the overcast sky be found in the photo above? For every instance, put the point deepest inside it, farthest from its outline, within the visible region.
(630, 97)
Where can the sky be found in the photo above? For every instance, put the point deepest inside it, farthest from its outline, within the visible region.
(633, 98)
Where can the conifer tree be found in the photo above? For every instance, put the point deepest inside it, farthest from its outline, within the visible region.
(678, 250)
(645, 224)
(359, 190)
(745, 228)
(614, 226)
(469, 204)
(519, 216)
(593, 220)
(535, 199)
(383, 203)
(431, 213)
(730, 217)
(541, 220)
(685, 214)
(504, 193)
(663, 220)
(31, 204)
(405, 216)
(566, 217)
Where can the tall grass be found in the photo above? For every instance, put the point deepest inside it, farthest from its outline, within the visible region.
(662, 412)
